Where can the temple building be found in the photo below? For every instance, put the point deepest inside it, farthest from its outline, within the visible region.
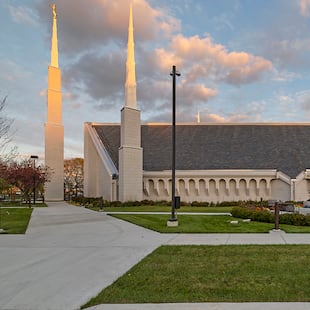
(214, 162)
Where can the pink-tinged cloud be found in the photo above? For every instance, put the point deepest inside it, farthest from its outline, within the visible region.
(201, 58)
(215, 118)
(304, 7)
(164, 60)
(190, 94)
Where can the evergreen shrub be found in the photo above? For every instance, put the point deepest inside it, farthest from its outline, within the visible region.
(268, 217)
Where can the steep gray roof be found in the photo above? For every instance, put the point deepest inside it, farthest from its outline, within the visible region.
(201, 147)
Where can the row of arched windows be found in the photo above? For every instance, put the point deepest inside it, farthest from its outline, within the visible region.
(225, 189)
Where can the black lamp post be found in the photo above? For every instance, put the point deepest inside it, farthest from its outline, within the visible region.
(34, 157)
(173, 73)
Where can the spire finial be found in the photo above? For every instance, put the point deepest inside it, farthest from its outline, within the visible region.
(130, 85)
(54, 49)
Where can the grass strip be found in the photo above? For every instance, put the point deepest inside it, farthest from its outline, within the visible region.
(15, 220)
(168, 209)
(195, 224)
(205, 224)
(231, 273)
(18, 204)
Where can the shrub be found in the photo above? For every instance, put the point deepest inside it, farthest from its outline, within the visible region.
(228, 203)
(294, 219)
(199, 204)
(115, 204)
(147, 202)
(263, 216)
(241, 212)
(268, 217)
(258, 216)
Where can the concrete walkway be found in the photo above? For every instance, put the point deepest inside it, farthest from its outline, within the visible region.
(69, 254)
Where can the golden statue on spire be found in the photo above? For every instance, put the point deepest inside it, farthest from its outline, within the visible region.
(54, 49)
(53, 8)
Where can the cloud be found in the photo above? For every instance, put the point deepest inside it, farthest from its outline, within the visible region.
(289, 52)
(215, 118)
(87, 25)
(100, 76)
(284, 76)
(304, 7)
(43, 92)
(201, 58)
(22, 15)
(96, 32)
(190, 94)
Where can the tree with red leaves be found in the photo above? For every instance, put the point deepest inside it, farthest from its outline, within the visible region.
(26, 177)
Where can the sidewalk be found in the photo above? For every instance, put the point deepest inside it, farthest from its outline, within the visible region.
(69, 254)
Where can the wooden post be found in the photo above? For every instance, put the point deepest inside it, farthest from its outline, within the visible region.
(276, 216)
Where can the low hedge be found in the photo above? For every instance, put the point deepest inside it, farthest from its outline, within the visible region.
(268, 217)
(95, 202)
(258, 216)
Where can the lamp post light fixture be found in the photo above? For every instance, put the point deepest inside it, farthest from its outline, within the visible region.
(34, 157)
(173, 221)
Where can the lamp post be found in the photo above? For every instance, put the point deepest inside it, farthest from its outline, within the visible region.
(34, 157)
(173, 221)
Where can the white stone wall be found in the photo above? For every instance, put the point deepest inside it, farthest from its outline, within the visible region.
(301, 186)
(130, 181)
(217, 186)
(130, 156)
(281, 189)
(98, 167)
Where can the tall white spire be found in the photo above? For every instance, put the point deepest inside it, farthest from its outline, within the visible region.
(130, 85)
(198, 117)
(54, 130)
(54, 49)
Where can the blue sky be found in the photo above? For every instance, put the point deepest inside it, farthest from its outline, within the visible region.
(240, 61)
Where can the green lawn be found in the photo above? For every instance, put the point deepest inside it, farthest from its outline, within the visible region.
(19, 204)
(15, 220)
(167, 209)
(204, 224)
(231, 273)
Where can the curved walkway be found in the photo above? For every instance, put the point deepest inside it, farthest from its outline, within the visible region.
(69, 254)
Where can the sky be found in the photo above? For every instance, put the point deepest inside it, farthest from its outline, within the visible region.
(240, 61)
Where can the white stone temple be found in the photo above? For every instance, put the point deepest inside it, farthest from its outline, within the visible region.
(214, 162)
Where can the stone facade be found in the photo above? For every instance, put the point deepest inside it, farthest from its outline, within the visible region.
(218, 185)
(214, 162)
(130, 156)
(212, 185)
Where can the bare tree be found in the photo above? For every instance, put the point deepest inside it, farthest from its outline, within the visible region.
(73, 177)
(5, 133)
